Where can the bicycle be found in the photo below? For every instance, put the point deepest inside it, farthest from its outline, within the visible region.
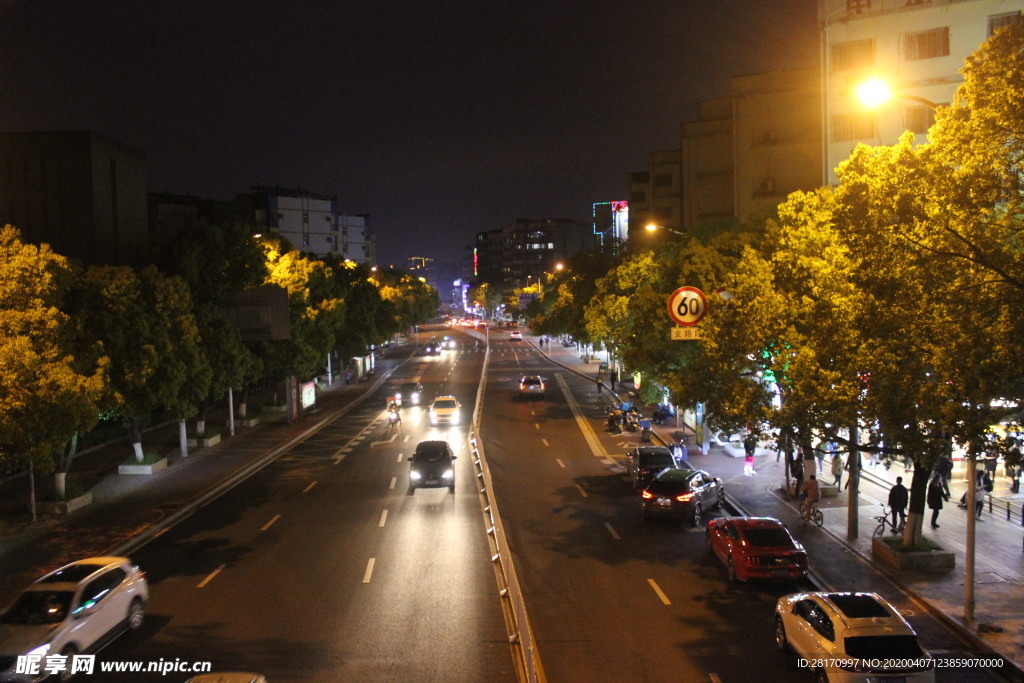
(816, 515)
(884, 520)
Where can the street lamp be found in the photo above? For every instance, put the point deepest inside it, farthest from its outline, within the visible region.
(654, 226)
(875, 91)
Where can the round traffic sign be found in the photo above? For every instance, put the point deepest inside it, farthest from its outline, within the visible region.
(687, 305)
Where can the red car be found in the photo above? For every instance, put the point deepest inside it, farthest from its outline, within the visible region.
(756, 548)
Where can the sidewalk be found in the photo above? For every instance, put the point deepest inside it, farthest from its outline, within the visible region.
(999, 560)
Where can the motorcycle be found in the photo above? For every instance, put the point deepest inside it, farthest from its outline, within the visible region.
(615, 421)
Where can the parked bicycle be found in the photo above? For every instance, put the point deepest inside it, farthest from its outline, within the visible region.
(816, 515)
(885, 520)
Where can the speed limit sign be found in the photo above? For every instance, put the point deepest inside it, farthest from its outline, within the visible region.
(687, 305)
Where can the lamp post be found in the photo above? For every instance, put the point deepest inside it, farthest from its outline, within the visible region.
(652, 227)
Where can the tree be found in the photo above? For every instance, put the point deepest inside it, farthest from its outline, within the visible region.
(485, 296)
(47, 393)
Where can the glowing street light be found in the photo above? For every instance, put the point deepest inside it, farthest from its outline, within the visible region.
(875, 91)
(654, 226)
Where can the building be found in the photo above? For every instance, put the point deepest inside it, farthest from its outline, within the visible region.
(738, 159)
(532, 247)
(611, 226)
(79, 192)
(488, 258)
(312, 223)
(917, 46)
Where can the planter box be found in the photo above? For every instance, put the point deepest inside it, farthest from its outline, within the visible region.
(204, 442)
(68, 506)
(828, 490)
(927, 560)
(274, 410)
(143, 469)
(249, 421)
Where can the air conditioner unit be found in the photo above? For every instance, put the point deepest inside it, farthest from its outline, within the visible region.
(766, 187)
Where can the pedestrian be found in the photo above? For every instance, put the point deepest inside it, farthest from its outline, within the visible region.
(812, 494)
(348, 376)
(819, 453)
(935, 498)
(898, 498)
(796, 468)
(748, 465)
(848, 468)
(837, 470)
(683, 453)
(599, 385)
(980, 492)
(944, 469)
(991, 464)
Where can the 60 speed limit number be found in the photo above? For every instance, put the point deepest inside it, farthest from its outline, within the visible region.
(687, 305)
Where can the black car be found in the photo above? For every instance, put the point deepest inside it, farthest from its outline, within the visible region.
(646, 462)
(432, 347)
(682, 494)
(411, 393)
(433, 466)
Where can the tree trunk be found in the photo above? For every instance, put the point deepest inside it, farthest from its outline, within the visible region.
(136, 437)
(60, 484)
(243, 401)
(183, 439)
(64, 459)
(201, 420)
(31, 489)
(918, 494)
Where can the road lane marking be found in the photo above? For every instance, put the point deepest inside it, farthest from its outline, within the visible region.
(306, 490)
(393, 480)
(715, 679)
(399, 458)
(536, 425)
(270, 523)
(560, 463)
(580, 489)
(209, 578)
(588, 432)
(383, 517)
(657, 590)
(545, 442)
(369, 571)
(406, 439)
(611, 530)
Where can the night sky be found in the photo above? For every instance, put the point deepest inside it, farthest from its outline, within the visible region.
(440, 118)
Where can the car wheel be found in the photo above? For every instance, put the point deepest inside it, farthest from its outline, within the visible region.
(781, 644)
(721, 499)
(451, 489)
(730, 568)
(65, 674)
(696, 514)
(136, 614)
(412, 490)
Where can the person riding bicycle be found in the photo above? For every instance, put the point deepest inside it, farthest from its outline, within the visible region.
(812, 494)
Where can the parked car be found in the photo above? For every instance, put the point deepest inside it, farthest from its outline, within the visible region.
(756, 548)
(532, 385)
(444, 410)
(433, 466)
(682, 494)
(515, 335)
(646, 462)
(78, 608)
(410, 393)
(855, 636)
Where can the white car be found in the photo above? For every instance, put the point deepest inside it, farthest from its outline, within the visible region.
(851, 637)
(444, 410)
(77, 608)
(515, 335)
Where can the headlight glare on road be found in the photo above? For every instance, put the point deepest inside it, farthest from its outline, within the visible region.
(448, 474)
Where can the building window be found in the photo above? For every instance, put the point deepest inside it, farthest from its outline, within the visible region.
(918, 119)
(926, 44)
(663, 180)
(857, 6)
(638, 197)
(998, 21)
(855, 54)
(857, 126)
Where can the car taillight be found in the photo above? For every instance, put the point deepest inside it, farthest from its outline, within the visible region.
(684, 497)
(646, 494)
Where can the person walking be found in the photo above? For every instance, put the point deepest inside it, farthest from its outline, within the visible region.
(599, 384)
(898, 498)
(748, 465)
(935, 498)
(980, 491)
(683, 454)
(837, 470)
(944, 469)
(812, 494)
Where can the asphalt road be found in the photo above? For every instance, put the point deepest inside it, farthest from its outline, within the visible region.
(322, 568)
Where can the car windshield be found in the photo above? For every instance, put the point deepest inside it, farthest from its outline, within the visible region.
(768, 537)
(669, 485)
(883, 647)
(860, 606)
(531, 380)
(656, 460)
(409, 389)
(444, 404)
(39, 607)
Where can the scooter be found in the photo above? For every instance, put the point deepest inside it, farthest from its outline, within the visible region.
(615, 421)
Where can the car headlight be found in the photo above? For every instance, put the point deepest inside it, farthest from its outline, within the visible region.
(455, 414)
(41, 650)
(415, 475)
(448, 474)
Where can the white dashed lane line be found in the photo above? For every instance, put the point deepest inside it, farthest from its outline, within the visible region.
(369, 571)
(270, 523)
(658, 591)
(560, 463)
(580, 489)
(393, 480)
(212, 574)
(383, 517)
(612, 531)
(307, 489)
